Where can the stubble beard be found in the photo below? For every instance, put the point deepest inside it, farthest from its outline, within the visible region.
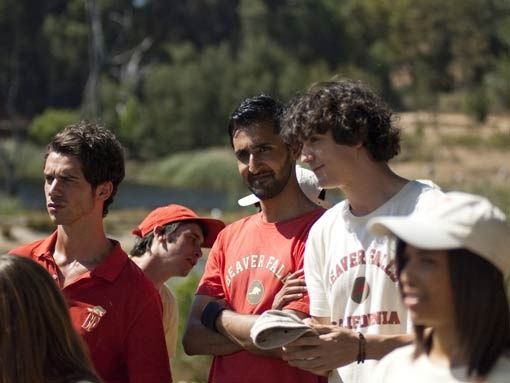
(270, 186)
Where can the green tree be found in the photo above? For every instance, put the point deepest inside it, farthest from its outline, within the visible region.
(185, 100)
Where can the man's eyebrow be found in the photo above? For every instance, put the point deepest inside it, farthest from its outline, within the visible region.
(67, 175)
(259, 145)
(63, 173)
(196, 235)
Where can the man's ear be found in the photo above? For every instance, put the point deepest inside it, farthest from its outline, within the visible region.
(104, 190)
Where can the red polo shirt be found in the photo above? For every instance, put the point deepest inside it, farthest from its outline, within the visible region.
(118, 312)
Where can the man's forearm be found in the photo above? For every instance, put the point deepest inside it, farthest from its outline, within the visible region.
(378, 346)
(236, 327)
(199, 340)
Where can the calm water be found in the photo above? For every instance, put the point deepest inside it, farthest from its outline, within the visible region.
(132, 195)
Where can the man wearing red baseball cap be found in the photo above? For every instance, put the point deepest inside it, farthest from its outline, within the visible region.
(168, 244)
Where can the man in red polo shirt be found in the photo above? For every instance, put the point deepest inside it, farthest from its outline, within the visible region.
(113, 305)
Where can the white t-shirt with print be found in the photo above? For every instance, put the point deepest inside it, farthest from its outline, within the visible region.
(351, 274)
(400, 367)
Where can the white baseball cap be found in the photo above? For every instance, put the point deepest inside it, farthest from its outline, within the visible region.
(276, 328)
(457, 220)
(309, 184)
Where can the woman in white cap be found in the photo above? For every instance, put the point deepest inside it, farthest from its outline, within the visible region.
(452, 262)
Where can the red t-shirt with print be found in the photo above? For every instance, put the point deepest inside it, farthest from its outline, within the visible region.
(245, 267)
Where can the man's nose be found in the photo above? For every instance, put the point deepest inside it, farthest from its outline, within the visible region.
(306, 154)
(253, 163)
(54, 187)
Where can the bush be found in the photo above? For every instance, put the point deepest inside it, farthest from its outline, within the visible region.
(213, 168)
(50, 122)
(477, 103)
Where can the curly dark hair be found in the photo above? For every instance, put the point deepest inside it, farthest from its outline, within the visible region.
(100, 154)
(352, 112)
(254, 110)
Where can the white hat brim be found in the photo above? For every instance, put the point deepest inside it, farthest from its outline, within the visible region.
(419, 232)
(251, 199)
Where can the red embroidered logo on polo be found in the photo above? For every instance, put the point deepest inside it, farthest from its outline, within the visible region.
(93, 318)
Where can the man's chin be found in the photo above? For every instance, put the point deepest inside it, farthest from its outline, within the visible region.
(53, 219)
(263, 194)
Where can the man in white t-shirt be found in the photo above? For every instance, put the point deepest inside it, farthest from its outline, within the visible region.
(168, 244)
(348, 137)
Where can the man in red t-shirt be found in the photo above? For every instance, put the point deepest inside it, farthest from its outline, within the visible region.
(112, 304)
(252, 257)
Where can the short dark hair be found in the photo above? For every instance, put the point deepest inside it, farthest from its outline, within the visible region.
(350, 110)
(481, 309)
(143, 244)
(254, 110)
(100, 154)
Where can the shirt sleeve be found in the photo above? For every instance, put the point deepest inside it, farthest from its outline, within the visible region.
(314, 273)
(211, 282)
(146, 353)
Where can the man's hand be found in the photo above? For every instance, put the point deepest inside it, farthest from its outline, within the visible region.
(294, 288)
(333, 347)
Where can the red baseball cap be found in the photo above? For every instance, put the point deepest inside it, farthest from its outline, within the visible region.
(176, 213)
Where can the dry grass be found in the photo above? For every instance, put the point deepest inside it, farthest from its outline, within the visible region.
(456, 153)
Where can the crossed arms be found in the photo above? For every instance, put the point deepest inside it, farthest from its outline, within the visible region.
(332, 347)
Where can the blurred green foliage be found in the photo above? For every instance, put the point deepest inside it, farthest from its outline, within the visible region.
(166, 74)
(46, 125)
(214, 168)
(192, 368)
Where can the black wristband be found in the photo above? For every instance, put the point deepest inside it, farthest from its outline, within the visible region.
(210, 313)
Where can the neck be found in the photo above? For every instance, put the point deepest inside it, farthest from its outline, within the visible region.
(377, 185)
(82, 242)
(445, 347)
(290, 203)
(153, 268)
